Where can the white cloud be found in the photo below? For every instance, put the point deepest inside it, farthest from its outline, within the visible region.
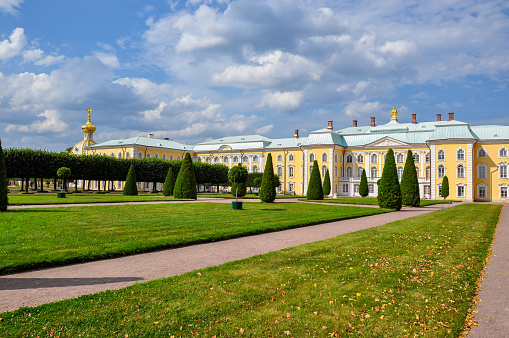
(443, 105)
(52, 123)
(36, 56)
(264, 130)
(282, 101)
(360, 109)
(9, 49)
(10, 6)
(421, 96)
(108, 59)
(154, 114)
(400, 48)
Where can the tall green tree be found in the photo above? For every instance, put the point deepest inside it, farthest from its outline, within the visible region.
(268, 188)
(410, 183)
(445, 187)
(363, 186)
(64, 173)
(326, 183)
(315, 189)
(4, 199)
(130, 187)
(169, 183)
(185, 185)
(389, 192)
(238, 178)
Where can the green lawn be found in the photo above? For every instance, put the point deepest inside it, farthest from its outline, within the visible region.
(367, 201)
(409, 278)
(37, 199)
(44, 237)
(248, 196)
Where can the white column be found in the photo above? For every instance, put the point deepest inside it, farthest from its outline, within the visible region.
(305, 172)
(432, 172)
(470, 172)
(331, 169)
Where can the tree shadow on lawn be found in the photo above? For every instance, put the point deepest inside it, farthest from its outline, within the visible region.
(10, 283)
(23, 211)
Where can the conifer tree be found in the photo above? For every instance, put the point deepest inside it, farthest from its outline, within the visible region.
(389, 192)
(445, 187)
(315, 190)
(363, 186)
(326, 183)
(268, 188)
(185, 185)
(410, 183)
(130, 187)
(4, 199)
(169, 183)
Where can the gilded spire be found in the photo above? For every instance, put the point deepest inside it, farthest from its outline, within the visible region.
(88, 128)
(394, 114)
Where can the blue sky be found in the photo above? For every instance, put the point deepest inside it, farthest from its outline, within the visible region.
(201, 69)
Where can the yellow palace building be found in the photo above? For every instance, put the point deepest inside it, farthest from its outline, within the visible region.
(474, 158)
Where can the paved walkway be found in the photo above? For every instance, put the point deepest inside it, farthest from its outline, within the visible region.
(42, 286)
(492, 311)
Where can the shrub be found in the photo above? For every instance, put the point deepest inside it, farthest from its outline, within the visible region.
(445, 187)
(185, 185)
(363, 186)
(326, 183)
(268, 188)
(315, 190)
(4, 199)
(410, 183)
(238, 177)
(63, 173)
(169, 183)
(257, 182)
(389, 192)
(130, 187)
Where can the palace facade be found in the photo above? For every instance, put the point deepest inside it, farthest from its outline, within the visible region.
(474, 158)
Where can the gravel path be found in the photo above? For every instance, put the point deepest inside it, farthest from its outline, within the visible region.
(48, 285)
(492, 311)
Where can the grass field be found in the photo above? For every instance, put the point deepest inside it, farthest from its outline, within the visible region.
(367, 201)
(248, 196)
(44, 237)
(409, 278)
(38, 199)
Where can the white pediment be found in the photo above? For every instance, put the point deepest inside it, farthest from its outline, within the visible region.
(387, 142)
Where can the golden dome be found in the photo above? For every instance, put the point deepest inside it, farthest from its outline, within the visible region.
(88, 128)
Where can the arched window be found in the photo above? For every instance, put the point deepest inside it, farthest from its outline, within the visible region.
(280, 158)
(374, 159)
(199, 159)
(481, 153)
(156, 155)
(374, 172)
(349, 158)
(171, 157)
(164, 157)
(360, 158)
(280, 171)
(225, 159)
(291, 158)
(428, 173)
(441, 171)
(400, 158)
(349, 172)
(255, 158)
(400, 172)
(235, 159)
(311, 158)
(127, 155)
(428, 157)
(217, 159)
(416, 157)
(502, 152)
(207, 159)
(148, 155)
(119, 155)
(460, 170)
(179, 158)
(441, 155)
(140, 155)
(460, 155)
(255, 168)
(336, 157)
(112, 155)
(324, 157)
(245, 159)
(359, 171)
(291, 170)
(324, 170)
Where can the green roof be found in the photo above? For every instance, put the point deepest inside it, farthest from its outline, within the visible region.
(145, 142)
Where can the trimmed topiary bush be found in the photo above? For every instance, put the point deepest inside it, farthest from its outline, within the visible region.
(410, 183)
(326, 183)
(130, 187)
(64, 173)
(445, 187)
(315, 190)
(185, 185)
(4, 199)
(169, 183)
(389, 192)
(363, 186)
(268, 188)
(238, 178)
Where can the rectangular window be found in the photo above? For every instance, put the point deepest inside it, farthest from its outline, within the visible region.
(356, 188)
(482, 172)
(461, 191)
(503, 171)
(503, 192)
(482, 192)
(439, 190)
(345, 188)
(371, 188)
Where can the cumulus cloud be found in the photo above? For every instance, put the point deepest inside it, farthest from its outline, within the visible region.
(109, 59)
(360, 109)
(264, 130)
(10, 6)
(13, 45)
(36, 56)
(52, 122)
(282, 101)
